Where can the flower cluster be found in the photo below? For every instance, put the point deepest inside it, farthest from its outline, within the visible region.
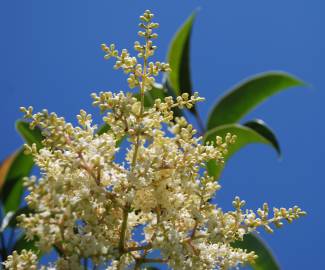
(90, 207)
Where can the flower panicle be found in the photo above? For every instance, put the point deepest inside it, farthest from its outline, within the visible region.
(90, 206)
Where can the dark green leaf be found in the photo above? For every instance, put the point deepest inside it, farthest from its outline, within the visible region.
(23, 243)
(245, 136)
(30, 135)
(261, 128)
(103, 129)
(10, 218)
(265, 260)
(247, 95)
(179, 79)
(23, 210)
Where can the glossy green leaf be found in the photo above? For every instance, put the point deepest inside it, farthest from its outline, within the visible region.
(265, 260)
(179, 79)
(261, 128)
(245, 136)
(247, 95)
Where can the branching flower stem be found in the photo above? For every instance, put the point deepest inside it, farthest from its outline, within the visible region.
(136, 149)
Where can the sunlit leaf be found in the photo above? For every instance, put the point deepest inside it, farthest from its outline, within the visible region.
(247, 95)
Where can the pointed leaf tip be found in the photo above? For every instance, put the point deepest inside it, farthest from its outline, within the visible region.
(179, 81)
(245, 96)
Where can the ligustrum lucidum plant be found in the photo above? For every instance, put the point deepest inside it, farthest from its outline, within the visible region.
(91, 208)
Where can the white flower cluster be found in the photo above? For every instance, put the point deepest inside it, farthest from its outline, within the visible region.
(89, 207)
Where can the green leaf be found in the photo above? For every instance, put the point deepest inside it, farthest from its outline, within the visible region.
(30, 135)
(247, 95)
(9, 219)
(23, 210)
(23, 243)
(245, 136)
(103, 129)
(18, 166)
(179, 79)
(265, 260)
(261, 128)
(157, 91)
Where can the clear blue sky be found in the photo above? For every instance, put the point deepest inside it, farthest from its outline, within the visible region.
(50, 57)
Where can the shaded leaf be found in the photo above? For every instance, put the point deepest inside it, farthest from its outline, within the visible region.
(12, 189)
(245, 136)
(247, 95)
(23, 243)
(179, 79)
(30, 135)
(23, 210)
(16, 167)
(157, 91)
(261, 128)
(265, 260)
(103, 129)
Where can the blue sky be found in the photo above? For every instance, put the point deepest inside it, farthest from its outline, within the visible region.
(51, 58)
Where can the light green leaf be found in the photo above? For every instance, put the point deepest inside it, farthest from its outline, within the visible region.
(247, 95)
(179, 79)
(265, 260)
(245, 136)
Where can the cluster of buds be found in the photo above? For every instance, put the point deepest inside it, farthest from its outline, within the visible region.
(139, 75)
(90, 207)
